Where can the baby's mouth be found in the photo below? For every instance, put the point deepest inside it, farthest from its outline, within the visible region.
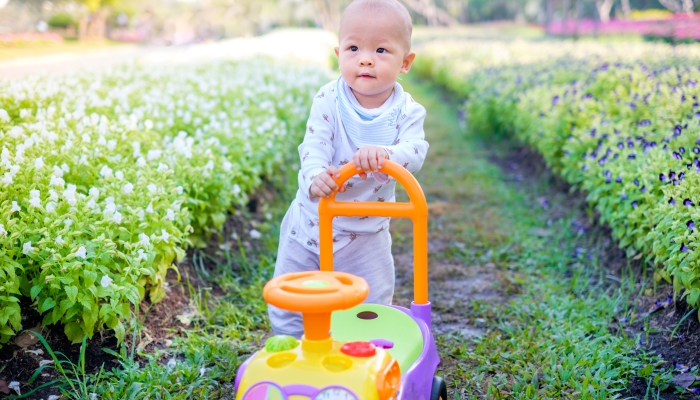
(366, 76)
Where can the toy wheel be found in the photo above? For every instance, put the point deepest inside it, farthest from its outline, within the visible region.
(439, 390)
(316, 291)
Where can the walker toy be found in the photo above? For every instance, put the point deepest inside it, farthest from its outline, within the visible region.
(376, 352)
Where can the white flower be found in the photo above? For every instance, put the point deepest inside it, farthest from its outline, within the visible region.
(68, 222)
(15, 207)
(142, 255)
(149, 209)
(106, 281)
(39, 163)
(119, 175)
(128, 188)
(164, 236)
(106, 171)
(94, 192)
(111, 144)
(140, 214)
(110, 208)
(144, 240)
(152, 188)
(57, 171)
(50, 206)
(170, 215)
(153, 154)
(109, 200)
(171, 363)
(4, 116)
(14, 385)
(56, 181)
(27, 248)
(3, 232)
(148, 124)
(162, 167)
(53, 397)
(117, 218)
(53, 195)
(227, 166)
(82, 252)
(254, 234)
(59, 240)
(141, 162)
(202, 371)
(179, 190)
(34, 199)
(236, 189)
(64, 167)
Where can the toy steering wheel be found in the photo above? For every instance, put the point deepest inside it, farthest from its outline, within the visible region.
(316, 294)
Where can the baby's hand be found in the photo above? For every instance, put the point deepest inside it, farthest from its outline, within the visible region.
(324, 185)
(369, 159)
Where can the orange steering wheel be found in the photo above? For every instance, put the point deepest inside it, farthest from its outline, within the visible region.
(316, 294)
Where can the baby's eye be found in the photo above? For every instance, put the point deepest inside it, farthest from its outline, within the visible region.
(353, 48)
(381, 50)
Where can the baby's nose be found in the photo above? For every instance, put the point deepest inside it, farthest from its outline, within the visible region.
(366, 62)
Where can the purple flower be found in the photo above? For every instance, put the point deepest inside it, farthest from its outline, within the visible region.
(620, 145)
(671, 201)
(688, 202)
(555, 100)
(676, 182)
(681, 150)
(677, 130)
(662, 177)
(690, 224)
(644, 122)
(636, 182)
(635, 204)
(696, 150)
(672, 175)
(619, 179)
(677, 155)
(643, 189)
(633, 106)
(623, 196)
(584, 168)
(697, 114)
(681, 176)
(685, 248)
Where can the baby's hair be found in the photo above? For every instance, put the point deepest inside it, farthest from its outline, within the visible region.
(394, 6)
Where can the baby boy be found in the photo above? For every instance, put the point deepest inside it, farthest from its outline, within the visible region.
(365, 117)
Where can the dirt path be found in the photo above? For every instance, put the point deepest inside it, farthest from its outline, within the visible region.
(307, 45)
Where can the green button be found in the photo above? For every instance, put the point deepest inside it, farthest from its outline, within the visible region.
(315, 284)
(278, 343)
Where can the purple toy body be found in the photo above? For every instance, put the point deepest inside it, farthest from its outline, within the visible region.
(417, 382)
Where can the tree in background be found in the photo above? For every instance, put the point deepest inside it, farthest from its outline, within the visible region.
(677, 6)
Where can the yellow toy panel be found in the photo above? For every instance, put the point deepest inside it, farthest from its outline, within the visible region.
(299, 374)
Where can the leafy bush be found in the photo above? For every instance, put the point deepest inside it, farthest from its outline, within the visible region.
(63, 20)
(621, 122)
(107, 177)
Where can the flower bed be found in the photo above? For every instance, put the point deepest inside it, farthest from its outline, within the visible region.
(621, 122)
(107, 177)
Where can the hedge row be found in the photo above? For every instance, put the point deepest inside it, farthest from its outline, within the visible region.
(621, 122)
(106, 177)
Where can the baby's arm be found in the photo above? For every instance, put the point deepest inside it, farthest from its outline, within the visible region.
(316, 151)
(410, 148)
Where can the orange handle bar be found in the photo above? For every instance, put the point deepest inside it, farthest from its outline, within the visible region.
(416, 210)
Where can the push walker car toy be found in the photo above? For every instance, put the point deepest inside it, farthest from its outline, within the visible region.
(376, 352)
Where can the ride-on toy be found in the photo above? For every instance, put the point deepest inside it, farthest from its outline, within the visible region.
(376, 352)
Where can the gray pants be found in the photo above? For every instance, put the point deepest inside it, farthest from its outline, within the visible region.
(368, 256)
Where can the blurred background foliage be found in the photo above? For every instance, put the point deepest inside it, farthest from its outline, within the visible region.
(174, 22)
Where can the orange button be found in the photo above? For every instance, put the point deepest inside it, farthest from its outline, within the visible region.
(359, 349)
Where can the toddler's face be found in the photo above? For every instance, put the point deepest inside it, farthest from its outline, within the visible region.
(372, 52)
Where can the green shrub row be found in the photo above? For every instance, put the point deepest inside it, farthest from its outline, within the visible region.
(621, 123)
(106, 177)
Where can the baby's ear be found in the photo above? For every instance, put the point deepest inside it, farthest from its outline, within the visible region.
(337, 51)
(407, 62)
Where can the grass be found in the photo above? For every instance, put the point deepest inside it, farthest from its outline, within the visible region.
(44, 48)
(550, 338)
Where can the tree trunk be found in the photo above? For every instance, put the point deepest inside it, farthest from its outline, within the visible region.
(565, 7)
(604, 7)
(688, 7)
(549, 15)
(433, 14)
(626, 9)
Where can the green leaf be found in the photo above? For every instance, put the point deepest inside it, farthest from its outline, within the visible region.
(72, 293)
(35, 291)
(74, 332)
(46, 305)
